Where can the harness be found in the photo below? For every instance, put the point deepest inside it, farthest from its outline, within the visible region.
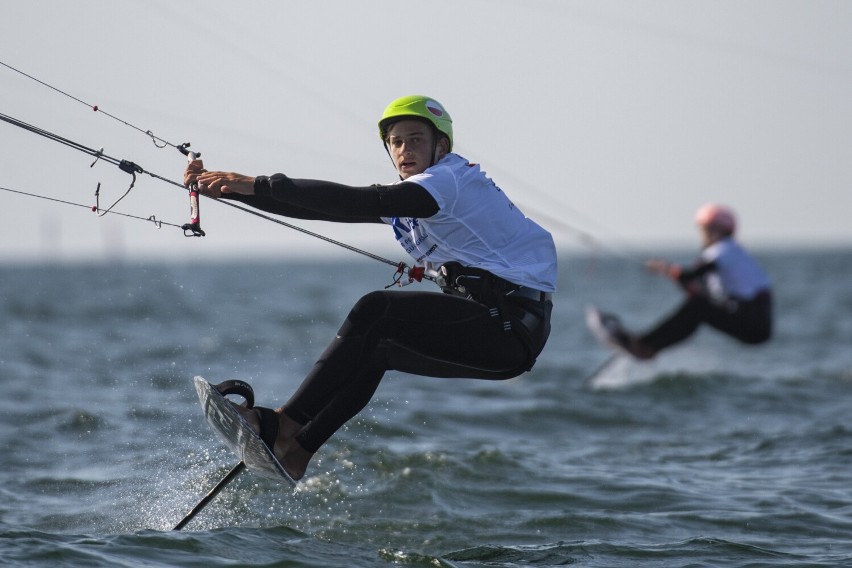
(527, 308)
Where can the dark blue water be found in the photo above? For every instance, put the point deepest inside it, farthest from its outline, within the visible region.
(714, 455)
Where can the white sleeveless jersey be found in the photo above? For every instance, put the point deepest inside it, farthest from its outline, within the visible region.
(477, 226)
(737, 274)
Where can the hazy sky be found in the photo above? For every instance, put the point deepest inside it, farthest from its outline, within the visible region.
(609, 121)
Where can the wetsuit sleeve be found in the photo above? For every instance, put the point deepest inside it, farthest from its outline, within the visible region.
(329, 201)
(689, 275)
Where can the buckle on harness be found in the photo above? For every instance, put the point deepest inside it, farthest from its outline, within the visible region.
(477, 285)
(448, 279)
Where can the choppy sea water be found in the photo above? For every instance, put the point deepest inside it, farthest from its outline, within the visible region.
(714, 455)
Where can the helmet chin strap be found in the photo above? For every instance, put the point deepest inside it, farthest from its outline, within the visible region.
(434, 152)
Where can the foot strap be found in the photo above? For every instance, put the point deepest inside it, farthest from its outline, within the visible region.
(268, 417)
(268, 425)
(237, 387)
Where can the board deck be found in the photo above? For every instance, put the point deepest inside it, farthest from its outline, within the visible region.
(238, 435)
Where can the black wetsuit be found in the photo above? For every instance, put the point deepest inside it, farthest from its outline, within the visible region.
(746, 319)
(495, 334)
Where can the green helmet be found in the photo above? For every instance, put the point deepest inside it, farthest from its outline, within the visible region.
(417, 106)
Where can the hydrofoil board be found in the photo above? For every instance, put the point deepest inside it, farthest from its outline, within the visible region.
(621, 369)
(240, 438)
(604, 330)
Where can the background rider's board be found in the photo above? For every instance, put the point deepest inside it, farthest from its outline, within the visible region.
(595, 323)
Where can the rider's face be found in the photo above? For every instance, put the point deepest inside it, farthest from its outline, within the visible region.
(411, 143)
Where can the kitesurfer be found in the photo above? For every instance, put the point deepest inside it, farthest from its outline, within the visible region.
(725, 288)
(496, 267)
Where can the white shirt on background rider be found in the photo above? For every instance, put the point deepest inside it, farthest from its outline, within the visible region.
(737, 274)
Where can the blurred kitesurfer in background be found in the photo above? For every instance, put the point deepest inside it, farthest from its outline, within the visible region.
(725, 289)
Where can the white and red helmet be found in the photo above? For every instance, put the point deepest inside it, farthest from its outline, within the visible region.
(716, 217)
